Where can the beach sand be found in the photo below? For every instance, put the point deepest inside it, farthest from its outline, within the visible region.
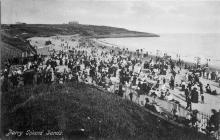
(211, 101)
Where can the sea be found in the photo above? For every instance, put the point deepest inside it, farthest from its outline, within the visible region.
(188, 47)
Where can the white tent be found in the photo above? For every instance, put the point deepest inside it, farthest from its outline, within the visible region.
(62, 68)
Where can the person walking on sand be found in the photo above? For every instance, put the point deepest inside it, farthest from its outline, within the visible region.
(172, 83)
(189, 103)
(131, 95)
(186, 94)
(202, 99)
(201, 92)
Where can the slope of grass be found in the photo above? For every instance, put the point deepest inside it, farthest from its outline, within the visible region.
(30, 30)
(71, 108)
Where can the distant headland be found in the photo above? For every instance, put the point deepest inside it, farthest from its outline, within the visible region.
(14, 35)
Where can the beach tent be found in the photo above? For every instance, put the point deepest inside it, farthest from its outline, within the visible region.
(137, 68)
(62, 68)
(114, 80)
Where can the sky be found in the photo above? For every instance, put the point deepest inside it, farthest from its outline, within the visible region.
(155, 16)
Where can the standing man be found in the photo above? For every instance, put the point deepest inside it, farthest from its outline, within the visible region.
(131, 95)
(189, 103)
(172, 83)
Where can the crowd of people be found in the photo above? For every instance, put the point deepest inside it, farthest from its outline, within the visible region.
(109, 66)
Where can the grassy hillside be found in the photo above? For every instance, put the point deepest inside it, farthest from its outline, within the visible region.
(30, 30)
(71, 108)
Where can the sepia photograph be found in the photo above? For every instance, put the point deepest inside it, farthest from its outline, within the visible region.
(110, 70)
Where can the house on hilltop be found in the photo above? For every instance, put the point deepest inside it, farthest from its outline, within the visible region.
(20, 23)
(73, 22)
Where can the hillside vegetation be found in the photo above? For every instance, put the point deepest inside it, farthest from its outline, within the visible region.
(83, 111)
(30, 30)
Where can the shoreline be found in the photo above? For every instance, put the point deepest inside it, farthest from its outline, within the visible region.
(105, 43)
(125, 35)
